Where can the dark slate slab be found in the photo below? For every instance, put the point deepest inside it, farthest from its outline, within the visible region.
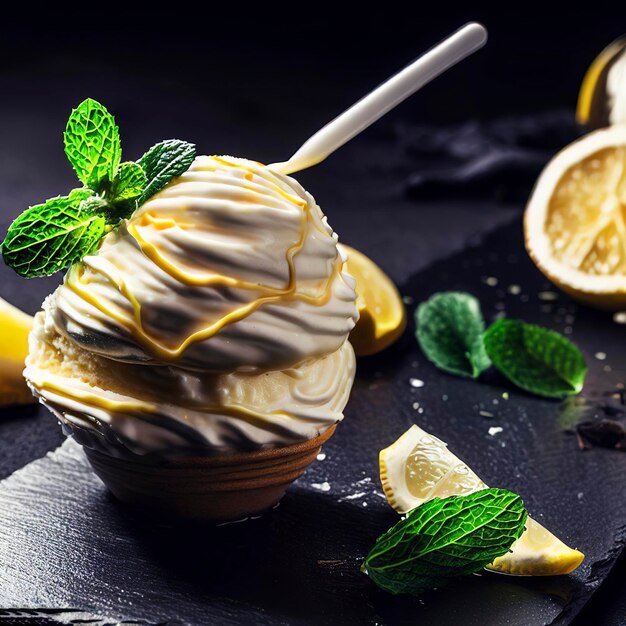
(66, 544)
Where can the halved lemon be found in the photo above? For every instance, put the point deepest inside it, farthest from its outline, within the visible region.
(575, 221)
(418, 467)
(602, 97)
(14, 328)
(382, 315)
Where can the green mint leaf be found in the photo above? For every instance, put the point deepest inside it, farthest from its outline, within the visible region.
(536, 359)
(163, 162)
(445, 538)
(450, 330)
(51, 236)
(92, 144)
(129, 182)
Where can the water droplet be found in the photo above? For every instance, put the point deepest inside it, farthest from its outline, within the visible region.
(416, 382)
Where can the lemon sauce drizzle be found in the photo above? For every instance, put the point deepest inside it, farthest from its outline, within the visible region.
(269, 294)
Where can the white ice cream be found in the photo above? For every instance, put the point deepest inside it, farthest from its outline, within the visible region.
(216, 317)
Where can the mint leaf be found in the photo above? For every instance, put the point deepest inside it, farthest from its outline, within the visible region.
(51, 236)
(450, 330)
(163, 162)
(445, 538)
(536, 359)
(92, 144)
(129, 182)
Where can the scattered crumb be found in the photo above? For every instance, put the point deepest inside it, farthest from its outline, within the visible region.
(514, 290)
(321, 456)
(505, 395)
(607, 368)
(524, 297)
(416, 382)
(620, 317)
(494, 430)
(492, 281)
(580, 495)
(567, 330)
(321, 486)
(407, 300)
(444, 397)
(548, 296)
(354, 496)
(601, 356)
(486, 413)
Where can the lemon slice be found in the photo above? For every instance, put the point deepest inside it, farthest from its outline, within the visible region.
(382, 316)
(418, 467)
(15, 326)
(575, 221)
(602, 96)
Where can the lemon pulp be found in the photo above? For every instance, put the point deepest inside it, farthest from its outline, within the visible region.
(382, 317)
(586, 214)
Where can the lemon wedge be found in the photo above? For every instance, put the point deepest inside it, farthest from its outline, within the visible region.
(382, 316)
(602, 96)
(15, 326)
(418, 467)
(575, 220)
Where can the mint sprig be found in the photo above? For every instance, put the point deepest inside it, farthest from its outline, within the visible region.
(165, 161)
(446, 538)
(536, 359)
(52, 236)
(92, 144)
(450, 330)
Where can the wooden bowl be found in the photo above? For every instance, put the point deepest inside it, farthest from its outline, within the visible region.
(220, 488)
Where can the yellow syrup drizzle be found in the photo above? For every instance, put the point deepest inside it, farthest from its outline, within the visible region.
(249, 416)
(289, 293)
(92, 398)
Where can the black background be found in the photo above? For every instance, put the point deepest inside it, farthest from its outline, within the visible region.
(262, 77)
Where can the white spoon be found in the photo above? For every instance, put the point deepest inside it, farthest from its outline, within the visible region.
(366, 111)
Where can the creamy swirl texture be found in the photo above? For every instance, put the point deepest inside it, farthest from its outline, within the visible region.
(215, 318)
(230, 267)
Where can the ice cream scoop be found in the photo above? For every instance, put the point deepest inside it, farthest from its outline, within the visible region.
(215, 320)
